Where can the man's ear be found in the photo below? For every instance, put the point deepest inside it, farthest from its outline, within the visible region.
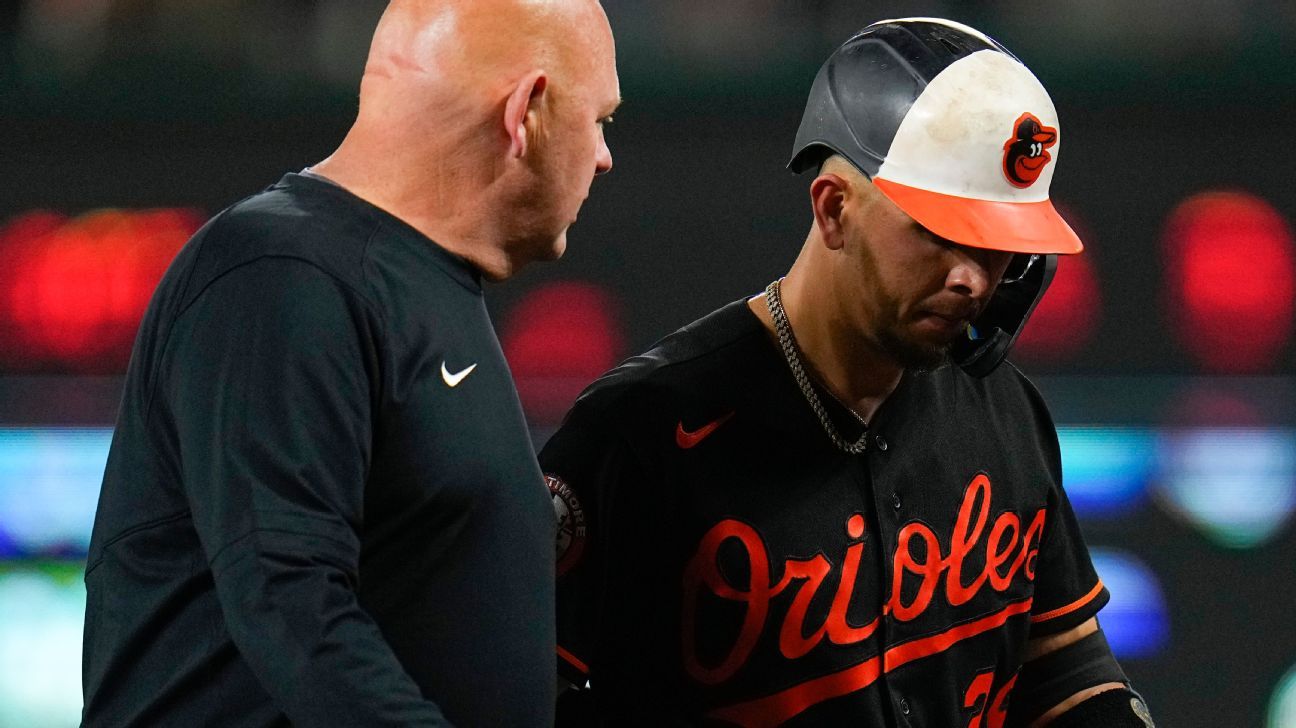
(527, 96)
(828, 199)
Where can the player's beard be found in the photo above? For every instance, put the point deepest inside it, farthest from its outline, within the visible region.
(912, 353)
(888, 328)
(892, 335)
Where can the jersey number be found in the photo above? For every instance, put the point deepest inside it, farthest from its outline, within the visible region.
(977, 697)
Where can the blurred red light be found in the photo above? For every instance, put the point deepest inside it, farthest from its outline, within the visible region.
(1203, 403)
(558, 339)
(72, 292)
(1067, 316)
(1231, 274)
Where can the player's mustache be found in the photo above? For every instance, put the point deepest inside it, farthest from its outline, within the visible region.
(955, 311)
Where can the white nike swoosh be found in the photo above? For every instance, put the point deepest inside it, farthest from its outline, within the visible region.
(454, 379)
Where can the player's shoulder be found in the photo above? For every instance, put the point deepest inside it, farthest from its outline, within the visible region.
(685, 366)
(1003, 406)
(297, 217)
(1010, 382)
(1005, 399)
(300, 227)
(1006, 385)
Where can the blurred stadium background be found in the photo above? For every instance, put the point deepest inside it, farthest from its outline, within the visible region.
(1166, 351)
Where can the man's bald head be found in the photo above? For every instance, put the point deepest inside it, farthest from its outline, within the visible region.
(467, 43)
(482, 119)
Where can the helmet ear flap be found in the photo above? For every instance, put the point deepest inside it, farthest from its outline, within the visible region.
(992, 335)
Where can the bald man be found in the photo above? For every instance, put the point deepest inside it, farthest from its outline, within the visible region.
(321, 506)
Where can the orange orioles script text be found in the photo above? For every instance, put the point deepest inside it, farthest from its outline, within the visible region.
(1009, 550)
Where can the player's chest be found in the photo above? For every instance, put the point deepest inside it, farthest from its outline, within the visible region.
(795, 565)
(916, 506)
(451, 431)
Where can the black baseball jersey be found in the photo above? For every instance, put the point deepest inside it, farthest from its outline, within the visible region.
(721, 562)
(321, 505)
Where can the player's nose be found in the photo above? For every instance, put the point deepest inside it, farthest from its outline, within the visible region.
(974, 271)
(602, 157)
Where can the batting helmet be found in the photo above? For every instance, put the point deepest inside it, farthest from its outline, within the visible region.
(953, 129)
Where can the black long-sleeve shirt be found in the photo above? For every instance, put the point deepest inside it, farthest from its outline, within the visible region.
(321, 506)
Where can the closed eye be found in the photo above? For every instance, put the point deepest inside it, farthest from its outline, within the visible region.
(612, 109)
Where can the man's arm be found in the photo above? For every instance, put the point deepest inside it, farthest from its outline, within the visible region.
(1069, 677)
(1067, 671)
(609, 623)
(268, 383)
(1041, 646)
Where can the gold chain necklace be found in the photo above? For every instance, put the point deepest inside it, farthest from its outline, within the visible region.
(792, 354)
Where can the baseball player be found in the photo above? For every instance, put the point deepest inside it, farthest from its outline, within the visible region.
(830, 504)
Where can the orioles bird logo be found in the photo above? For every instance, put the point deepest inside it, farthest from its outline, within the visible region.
(1026, 152)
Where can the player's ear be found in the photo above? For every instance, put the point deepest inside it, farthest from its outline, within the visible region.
(521, 111)
(828, 199)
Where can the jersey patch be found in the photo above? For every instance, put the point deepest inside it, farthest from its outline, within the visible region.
(571, 523)
(1141, 710)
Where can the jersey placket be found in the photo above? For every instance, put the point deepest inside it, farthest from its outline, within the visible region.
(887, 516)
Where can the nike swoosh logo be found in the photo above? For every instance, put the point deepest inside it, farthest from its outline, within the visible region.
(453, 380)
(687, 440)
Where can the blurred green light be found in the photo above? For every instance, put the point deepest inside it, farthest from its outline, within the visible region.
(1282, 708)
(1236, 485)
(42, 610)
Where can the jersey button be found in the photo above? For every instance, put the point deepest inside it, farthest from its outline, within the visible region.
(904, 706)
(881, 443)
(895, 501)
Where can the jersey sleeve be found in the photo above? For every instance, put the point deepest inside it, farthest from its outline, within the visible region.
(613, 631)
(268, 381)
(1067, 589)
(585, 465)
